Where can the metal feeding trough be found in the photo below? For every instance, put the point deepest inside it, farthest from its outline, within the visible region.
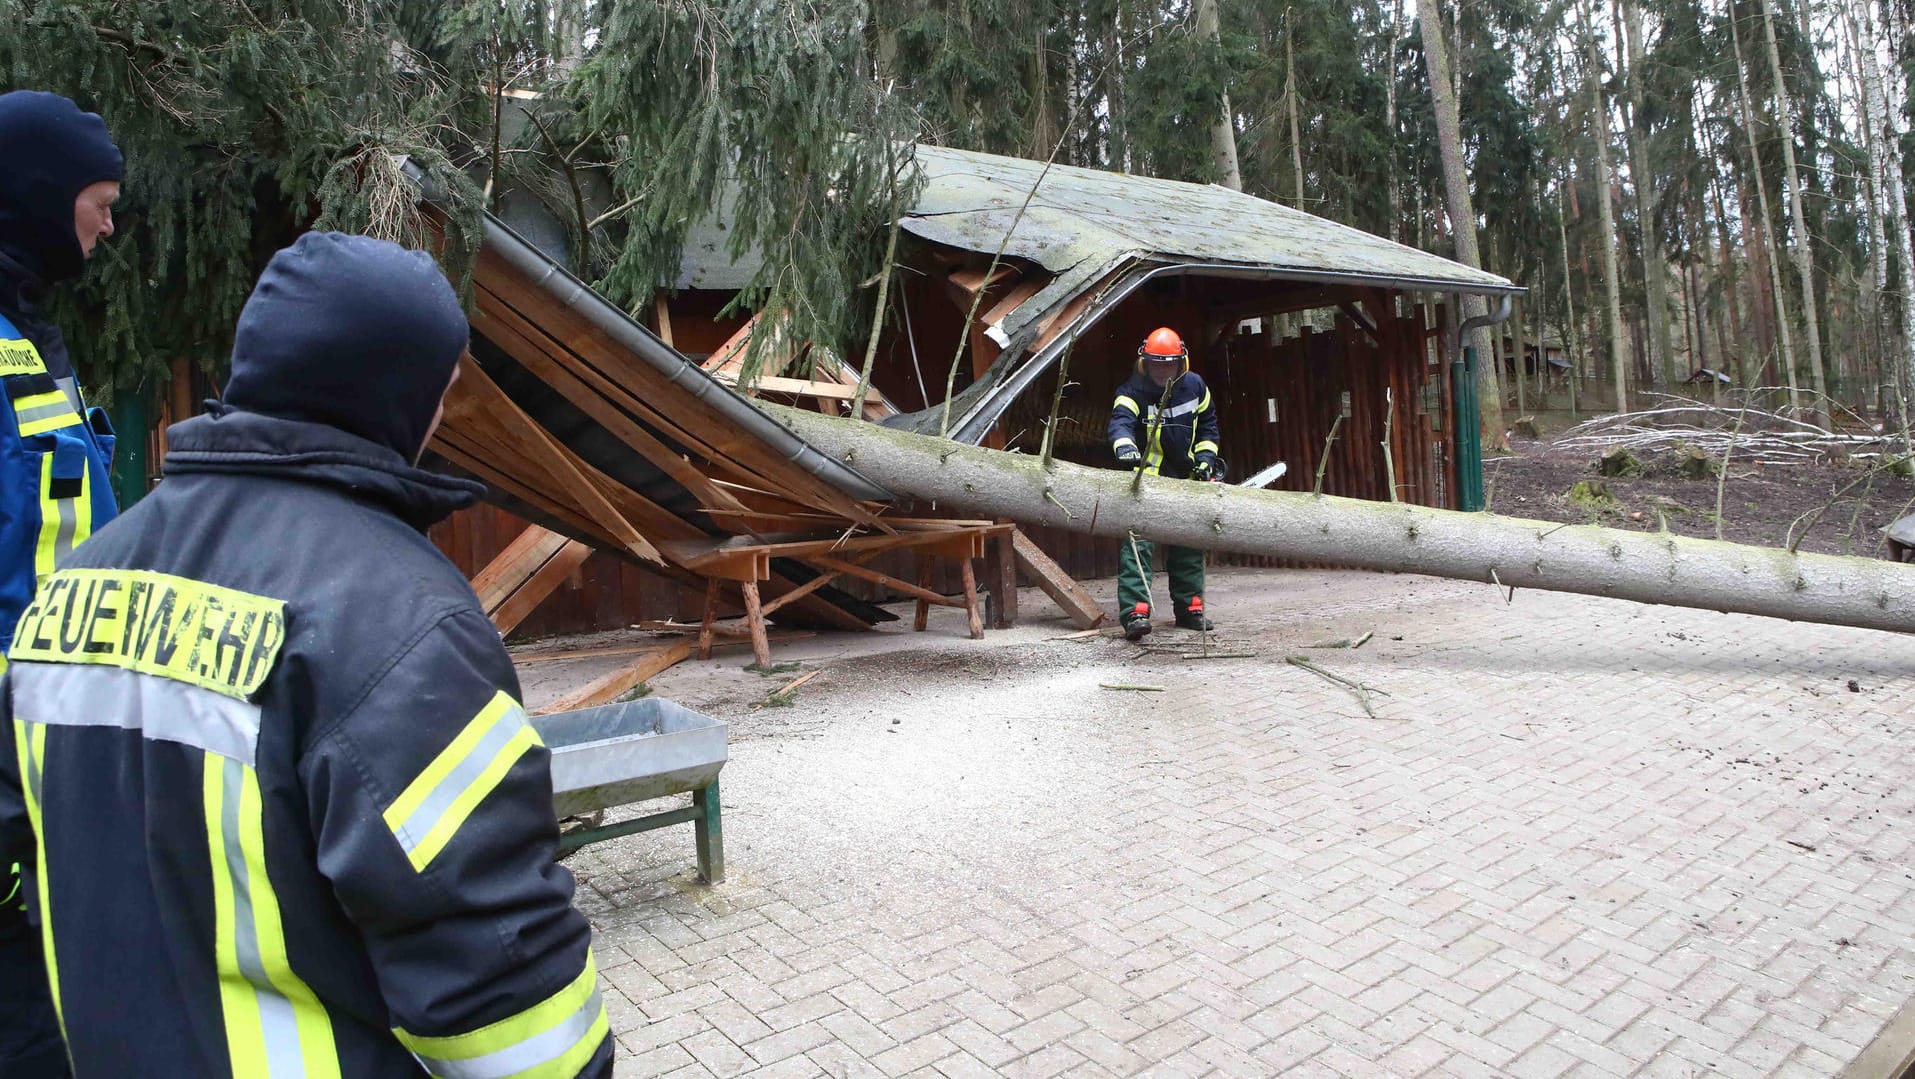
(618, 754)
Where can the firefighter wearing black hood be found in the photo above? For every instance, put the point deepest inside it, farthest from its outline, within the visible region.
(287, 813)
(56, 203)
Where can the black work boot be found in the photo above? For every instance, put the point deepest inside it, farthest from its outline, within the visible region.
(1137, 622)
(1192, 617)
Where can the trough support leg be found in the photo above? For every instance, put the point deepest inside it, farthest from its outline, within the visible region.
(711, 834)
(755, 620)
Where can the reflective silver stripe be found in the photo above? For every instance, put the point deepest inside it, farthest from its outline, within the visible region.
(415, 828)
(71, 387)
(86, 695)
(69, 524)
(1184, 409)
(278, 1025)
(530, 1053)
(27, 416)
(31, 766)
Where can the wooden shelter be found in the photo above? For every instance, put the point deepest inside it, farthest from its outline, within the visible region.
(1020, 276)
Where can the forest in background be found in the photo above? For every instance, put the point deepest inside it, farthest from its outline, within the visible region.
(1680, 183)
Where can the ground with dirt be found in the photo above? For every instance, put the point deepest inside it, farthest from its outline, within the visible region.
(1833, 507)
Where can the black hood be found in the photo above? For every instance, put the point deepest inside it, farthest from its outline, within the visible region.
(52, 152)
(352, 332)
(232, 442)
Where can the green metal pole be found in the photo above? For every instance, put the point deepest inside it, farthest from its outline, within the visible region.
(1469, 432)
(132, 416)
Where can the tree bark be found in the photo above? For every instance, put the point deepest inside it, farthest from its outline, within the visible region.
(1648, 199)
(1802, 248)
(1449, 139)
(1894, 211)
(1783, 336)
(1606, 211)
(1642, 566)
(1223, 134)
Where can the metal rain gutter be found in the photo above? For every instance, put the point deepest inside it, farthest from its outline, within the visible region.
(973, 427)
(616, 324)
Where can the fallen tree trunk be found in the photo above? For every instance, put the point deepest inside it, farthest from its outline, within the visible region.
(1510, 551)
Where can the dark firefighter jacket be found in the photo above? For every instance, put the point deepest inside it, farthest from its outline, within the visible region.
(1188, 427)
(288, 817)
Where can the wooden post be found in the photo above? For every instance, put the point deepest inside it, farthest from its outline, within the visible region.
(970, 598)
(755, 620)
(709, 830)
(1000, 575)
(711, 612)
(923, 616)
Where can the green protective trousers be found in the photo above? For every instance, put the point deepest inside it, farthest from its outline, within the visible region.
(1185, 564)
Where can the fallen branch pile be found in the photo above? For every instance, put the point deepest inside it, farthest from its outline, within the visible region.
(1769, 437)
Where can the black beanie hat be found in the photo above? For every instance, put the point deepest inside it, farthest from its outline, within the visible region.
(352, 332)
(53, 151)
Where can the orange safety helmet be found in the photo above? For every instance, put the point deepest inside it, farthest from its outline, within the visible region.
(1164, 344)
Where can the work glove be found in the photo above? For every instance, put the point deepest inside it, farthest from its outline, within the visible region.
(1206, 468)
(1128, 455)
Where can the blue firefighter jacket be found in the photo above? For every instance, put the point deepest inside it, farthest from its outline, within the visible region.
(1171, 443)
(55, 452)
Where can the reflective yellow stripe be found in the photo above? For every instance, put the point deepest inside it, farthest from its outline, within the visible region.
(42, 412)
(64, 522)
(275, 1026)
(429, 812)
(1206, 446)
(555, 1037)
(1154, 457)
(30, 742)
(1124, 401)
(1204, 404)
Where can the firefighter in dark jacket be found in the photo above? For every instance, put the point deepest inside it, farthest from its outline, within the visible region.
(1163, 422)
(56, 203)
(285, 813)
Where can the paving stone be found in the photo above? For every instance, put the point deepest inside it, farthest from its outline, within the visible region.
(1564, 848)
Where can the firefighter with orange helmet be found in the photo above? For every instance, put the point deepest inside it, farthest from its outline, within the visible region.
(1163, 422)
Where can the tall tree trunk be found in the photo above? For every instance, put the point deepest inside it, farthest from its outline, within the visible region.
(1449, 140)
(1646, 567)
(1803, 246)
(1290, 96)
(1777, 300)
(1606, 212)
(1114, 89)
(1389, 119)
(1895, 212)
(1223, 133)
(1571, 330)
(1648, 195)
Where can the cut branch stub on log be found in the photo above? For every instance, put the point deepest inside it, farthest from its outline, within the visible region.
(1645, 567)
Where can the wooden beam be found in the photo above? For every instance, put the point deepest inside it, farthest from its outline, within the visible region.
(807, 388)
(1077, 602)
(526, 598)
(923, 594)
(513, 566)
(518, 339)
(618, 683)
(664, 312)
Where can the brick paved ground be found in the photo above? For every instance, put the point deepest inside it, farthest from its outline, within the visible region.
(1581, 837)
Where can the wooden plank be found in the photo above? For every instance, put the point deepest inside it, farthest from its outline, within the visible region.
(618, 683)
(923, 594)
(969, 281)
(1000, 572)
(800, 592)
(476, 384)
(952, 543)
(808, 388)
(526, 598)
(1015, 298)
(515, 565)
(632, 377)
(518, 339)
(1077, 602)
(664, 312)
